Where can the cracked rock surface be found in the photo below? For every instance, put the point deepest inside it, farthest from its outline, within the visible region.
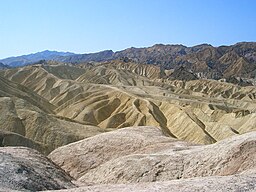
(200, 184)
(132, 155)
(27, 170)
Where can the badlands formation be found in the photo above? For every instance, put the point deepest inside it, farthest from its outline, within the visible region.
(122, 126)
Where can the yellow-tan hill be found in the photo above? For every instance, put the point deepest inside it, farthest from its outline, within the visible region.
(116, 94)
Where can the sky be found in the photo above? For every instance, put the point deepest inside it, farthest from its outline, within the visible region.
(85, 26)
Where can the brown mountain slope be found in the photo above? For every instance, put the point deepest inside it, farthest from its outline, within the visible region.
(204, 60)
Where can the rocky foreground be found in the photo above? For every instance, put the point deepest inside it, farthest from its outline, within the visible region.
(133, 159)
(26, 169)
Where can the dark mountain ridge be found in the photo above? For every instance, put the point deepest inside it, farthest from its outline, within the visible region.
(205, 60)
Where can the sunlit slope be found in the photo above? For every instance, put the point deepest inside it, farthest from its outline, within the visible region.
(28, 119)
(120, 73)
(117, 94)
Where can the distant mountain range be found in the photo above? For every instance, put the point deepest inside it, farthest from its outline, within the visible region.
(204, 60)
(3, 66)
(34, 57)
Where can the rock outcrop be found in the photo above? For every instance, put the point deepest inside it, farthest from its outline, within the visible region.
(26, 169)
(245, 183)
(145, 154)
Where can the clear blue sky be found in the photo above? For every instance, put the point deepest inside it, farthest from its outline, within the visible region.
(84, 26)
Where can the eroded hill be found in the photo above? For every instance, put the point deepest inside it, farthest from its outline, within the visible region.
(116, 94)
(80, 114)
(34, 122)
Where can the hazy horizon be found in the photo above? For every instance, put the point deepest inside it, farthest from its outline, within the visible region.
(91, 26)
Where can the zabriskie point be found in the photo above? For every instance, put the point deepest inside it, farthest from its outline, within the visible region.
(128, 96)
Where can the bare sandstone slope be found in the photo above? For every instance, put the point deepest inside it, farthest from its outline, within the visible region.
(12, 89)
(26, 169)
(145, 154)
(9, 120)
(115, 94)
(49, 131)
(25, 113)
(120, 73)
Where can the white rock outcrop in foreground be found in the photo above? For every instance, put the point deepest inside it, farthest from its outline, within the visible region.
(145, 154)
(201, 184)
(133, 159)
